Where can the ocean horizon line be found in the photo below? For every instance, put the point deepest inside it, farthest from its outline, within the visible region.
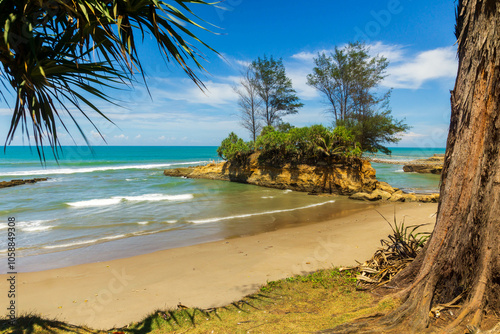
(85, 146)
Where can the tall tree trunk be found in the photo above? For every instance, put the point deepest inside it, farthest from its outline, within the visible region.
(463, 255)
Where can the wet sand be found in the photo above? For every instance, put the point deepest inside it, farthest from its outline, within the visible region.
(114, 293)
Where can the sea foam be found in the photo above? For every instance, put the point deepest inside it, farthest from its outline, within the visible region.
(85, 242)
(141, 198)
(216, 219)
(95, 202)
(34, 226)
(96, 169)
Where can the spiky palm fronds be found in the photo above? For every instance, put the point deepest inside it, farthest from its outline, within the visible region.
(397, 252)
(54, 53)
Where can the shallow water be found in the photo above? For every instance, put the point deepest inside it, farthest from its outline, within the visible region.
(118, 203)
(409, 182)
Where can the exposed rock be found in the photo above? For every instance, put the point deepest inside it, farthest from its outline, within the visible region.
(356, 179)
(410, 197)
(373, 196)
(13, 183)
(397, 197)
(382, 194)
(432, 165)
(338, 178)
(432, 198)
(384, 186)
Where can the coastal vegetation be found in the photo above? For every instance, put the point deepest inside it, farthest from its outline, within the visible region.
(250, 104)
(349, 79)
(265, 95)
(275, 90)
(461, 259)
(288, 144)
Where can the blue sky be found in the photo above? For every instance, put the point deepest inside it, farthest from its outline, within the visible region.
(416, 36)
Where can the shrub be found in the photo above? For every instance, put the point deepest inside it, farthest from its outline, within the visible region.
(287, 144)
(234, 149)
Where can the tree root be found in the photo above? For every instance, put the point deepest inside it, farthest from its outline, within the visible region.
(475, 330)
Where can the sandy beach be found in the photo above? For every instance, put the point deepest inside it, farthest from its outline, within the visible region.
(114, 293)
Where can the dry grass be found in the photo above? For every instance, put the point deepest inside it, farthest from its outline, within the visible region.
(397, 252)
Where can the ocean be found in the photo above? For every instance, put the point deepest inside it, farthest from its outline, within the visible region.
(115, 202)
(408, 182)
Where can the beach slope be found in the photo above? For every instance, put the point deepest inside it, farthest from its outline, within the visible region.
(114, 293)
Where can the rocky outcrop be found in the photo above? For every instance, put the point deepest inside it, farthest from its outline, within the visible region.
(356, 179)
(336, 178)
(433, 165)
(13, 183)
(397, 196)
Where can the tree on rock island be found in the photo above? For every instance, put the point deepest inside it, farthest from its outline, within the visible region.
(462, 258)
(349, 79)
(275, 89)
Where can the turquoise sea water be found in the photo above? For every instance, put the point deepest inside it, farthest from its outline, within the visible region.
(409, 182)
(116, 202)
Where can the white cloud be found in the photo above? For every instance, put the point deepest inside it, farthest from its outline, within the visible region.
(138, 137)
(304, 56)
(391, 52)
(97, 135)
(425, 136)
(440, 63)
(161, 138)
(299, 82)
(243, 63)
(215, 94)
(5, 112)
(406, 71)
(122, 136)
(411, 135)
(394, 53)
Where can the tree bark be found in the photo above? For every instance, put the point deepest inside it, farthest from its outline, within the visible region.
(462, 256)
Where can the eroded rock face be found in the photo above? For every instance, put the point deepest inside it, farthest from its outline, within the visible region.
(397, 196)
(432, 165)
(356, 179)
(339, 178)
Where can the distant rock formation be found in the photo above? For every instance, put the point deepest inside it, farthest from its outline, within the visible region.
(355, 178)
(433, 165)
(13, 183)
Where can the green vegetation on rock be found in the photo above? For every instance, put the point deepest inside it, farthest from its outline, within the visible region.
(287, 144)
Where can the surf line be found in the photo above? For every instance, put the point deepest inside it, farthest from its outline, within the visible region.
(216, 219)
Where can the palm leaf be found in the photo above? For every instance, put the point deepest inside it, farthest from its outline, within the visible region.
(55, 53)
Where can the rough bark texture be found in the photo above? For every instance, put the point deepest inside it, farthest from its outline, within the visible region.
(463, 255)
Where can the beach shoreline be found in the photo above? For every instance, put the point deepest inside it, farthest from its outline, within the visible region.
(114, 293)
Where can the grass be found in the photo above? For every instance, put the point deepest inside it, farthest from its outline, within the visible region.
(307, 303)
